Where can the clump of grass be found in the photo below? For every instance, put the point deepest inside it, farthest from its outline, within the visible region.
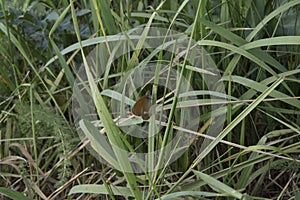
(255, 155)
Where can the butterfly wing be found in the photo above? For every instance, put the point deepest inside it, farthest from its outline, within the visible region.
(142, 107)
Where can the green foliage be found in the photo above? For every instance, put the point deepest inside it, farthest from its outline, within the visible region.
(253, 43)
(46, 124)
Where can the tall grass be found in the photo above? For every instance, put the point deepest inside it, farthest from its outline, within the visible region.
(253, 44)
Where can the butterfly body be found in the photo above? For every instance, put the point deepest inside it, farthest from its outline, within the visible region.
(142, 107)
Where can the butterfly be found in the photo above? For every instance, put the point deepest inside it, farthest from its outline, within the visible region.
(142, 107)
